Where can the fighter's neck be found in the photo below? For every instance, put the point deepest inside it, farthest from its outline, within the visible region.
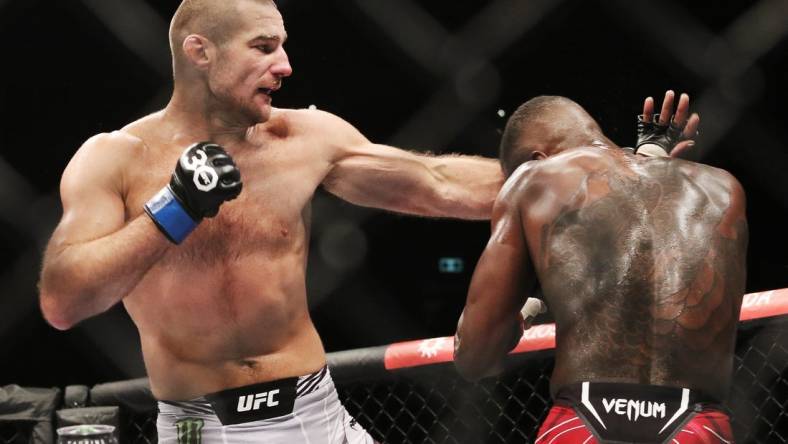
(198, 122)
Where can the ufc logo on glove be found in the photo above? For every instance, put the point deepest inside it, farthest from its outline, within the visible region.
(205, 177)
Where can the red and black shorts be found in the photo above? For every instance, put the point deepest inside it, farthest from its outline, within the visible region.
(611, 413)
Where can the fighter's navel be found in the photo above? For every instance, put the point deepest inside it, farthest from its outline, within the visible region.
(248, 364)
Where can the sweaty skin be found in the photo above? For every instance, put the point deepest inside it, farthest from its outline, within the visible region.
(641, 262)
(228, 307)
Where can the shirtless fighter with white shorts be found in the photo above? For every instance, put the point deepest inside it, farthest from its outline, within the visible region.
(218, 294)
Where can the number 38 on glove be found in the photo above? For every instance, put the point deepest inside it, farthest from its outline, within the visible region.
(204, 178)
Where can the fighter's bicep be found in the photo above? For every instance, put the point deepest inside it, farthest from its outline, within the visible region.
(89, 212)
(384, 177)
(90, 191)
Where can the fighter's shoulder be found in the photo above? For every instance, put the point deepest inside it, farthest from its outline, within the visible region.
(324, 132)
(576, 162)
(579, 160)
(104, 154)
(548, 180)
(310, 121)
(710, 171)
(115, 145)
(711, 178)
(518, 183)
(520, 177)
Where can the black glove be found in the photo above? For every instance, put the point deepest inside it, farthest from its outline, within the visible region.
(204, 178)
(661, 139)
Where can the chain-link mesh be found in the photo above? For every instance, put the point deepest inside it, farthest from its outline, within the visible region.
(436, 406)
(15, 432)
(433, 405)
(759, 396)
(140, 429)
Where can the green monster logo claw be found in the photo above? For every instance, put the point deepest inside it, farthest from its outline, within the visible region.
(190, 430)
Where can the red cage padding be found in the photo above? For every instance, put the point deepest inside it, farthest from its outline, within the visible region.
(394, 392)
(542, 337)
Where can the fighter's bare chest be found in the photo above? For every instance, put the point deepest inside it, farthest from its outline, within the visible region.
(271, 214)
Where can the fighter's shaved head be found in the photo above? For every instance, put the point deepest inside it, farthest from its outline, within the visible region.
(547, 124)
(216, 20)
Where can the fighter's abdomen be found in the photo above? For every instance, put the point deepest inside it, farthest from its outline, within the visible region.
(227, 308)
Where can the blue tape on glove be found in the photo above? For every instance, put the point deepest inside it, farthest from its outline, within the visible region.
(168, 214)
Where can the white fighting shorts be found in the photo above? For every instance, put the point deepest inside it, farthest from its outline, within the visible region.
(302, 409)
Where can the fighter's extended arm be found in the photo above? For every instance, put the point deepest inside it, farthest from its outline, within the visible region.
(95, 257)
(491, 323)
(385, 177)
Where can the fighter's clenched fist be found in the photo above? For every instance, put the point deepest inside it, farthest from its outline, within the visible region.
(204, 178)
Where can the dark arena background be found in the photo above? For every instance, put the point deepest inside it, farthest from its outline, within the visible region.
(432, 76)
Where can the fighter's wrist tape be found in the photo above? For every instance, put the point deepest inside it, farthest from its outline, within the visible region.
(170, 216)
(532, 308)
(652, 150)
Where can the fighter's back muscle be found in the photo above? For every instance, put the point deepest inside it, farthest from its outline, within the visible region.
(646, 254)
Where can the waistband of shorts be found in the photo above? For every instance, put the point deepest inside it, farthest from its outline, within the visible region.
(634, 413)
(571, 394)
(253, 402)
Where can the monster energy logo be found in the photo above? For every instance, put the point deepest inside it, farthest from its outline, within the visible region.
(189, 430)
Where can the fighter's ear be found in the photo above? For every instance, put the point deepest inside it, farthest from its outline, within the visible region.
(198, 50)
(538, 155)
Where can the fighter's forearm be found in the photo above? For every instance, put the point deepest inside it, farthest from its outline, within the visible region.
(84, 279)
(468, 185)
(481, 354)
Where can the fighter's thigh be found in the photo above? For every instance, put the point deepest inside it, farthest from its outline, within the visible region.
(705, 428)
(563, 426)
(351, 431)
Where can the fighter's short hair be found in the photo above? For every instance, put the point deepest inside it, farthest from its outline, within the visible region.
(511, 153)
(214, 19)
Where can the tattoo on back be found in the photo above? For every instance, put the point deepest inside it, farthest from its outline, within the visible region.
(648, 269)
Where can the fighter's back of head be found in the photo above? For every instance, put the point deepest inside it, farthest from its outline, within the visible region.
(216, 20)
(544, 126)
